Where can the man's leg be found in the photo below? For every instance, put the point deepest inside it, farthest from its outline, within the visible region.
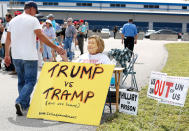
(30, 77)
(20, 71)
(69, 49)
(80, 43)
(126, 43)
(131, 43)
(21, 81)
(66, 46)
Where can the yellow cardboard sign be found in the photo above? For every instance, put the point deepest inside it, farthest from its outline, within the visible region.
(71, 92)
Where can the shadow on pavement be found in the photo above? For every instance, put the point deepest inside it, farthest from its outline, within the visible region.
(23, 121)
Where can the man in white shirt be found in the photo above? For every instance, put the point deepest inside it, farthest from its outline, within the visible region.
(8, 18)
(21, 35)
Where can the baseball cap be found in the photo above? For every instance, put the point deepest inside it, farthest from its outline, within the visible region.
(70, 19)
(17, 13)
(48, 21)
(50, 15)
(81, 20)
(31, 4)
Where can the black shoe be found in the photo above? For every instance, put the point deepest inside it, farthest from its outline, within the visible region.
(19, 111)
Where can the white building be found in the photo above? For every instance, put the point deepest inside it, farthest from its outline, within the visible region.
(147, 14)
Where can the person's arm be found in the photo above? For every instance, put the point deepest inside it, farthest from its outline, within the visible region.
(41, 47)
(135, 39)
(122, 38)
(1, 27)
(75, 36)
(43, 38)
(62, 38)
(64, 57)
(7, 49)
(122, 34)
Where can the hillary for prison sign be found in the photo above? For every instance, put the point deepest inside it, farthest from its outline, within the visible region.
(128, 102)
(168, 89)
(71, 92)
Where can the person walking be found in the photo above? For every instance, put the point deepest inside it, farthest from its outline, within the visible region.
(80, 36)
(21, 35)
(129, 35)
(8, 18)
(87, 30)
(48, 31)
(70, 34)
(51, 17)
(115, 31)
(61, 34)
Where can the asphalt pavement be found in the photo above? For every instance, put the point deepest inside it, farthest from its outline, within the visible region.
(152, 56)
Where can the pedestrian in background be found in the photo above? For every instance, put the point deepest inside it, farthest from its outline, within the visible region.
(81, 35)
(51, 17)
(86, 30)
(129, 35)
(70, 38)
(115, 31)
(21, 35)
(61, 34)
(8, 18)
(1, 46)
(54, 25)
(50, 33)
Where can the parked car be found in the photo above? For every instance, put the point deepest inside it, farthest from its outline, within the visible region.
(148, 33)
(105, 30)
(166, 31)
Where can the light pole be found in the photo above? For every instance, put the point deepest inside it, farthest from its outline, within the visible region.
(11, 4)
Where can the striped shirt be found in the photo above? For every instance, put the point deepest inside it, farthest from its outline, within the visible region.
(70, 31)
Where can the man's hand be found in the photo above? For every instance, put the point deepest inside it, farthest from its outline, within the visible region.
(122, 41)
(7, 61)
(64, 57)
(135, 42)
(60, 50)
(76, 42)
(41, 49)
(122, 38)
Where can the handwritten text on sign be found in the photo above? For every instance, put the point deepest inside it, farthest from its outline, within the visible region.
(168, 89)
(128, 102)
(71, 92)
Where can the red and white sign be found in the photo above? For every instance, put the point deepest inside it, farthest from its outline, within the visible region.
(168, 89)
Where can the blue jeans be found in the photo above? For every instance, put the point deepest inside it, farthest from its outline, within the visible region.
(67, 47)
(2, 52)
(27, 77)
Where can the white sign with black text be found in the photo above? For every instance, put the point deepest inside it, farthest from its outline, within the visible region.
(128, 102)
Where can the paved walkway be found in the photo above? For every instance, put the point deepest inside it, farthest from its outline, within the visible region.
(152, 57)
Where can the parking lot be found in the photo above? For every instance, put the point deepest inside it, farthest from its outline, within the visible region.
(152, 57)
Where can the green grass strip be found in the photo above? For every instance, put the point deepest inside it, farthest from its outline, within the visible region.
(150, 116)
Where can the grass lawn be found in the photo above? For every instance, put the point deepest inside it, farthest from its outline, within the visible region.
(150, 116)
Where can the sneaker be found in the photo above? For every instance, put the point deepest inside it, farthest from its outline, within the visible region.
(13, 73)
(19, 111)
